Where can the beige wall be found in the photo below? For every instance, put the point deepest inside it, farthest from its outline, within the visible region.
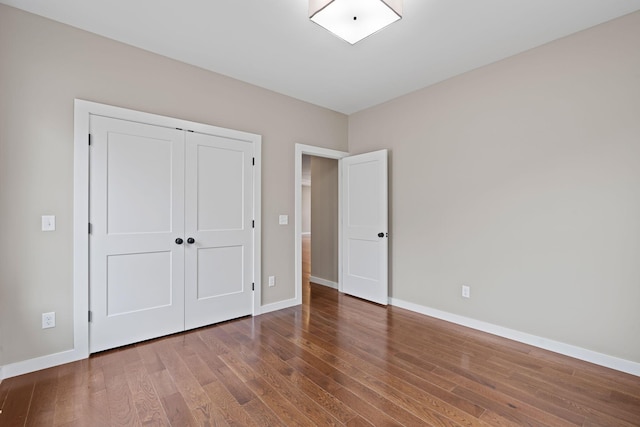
(45, 65)
(324, 218)
(522, 180)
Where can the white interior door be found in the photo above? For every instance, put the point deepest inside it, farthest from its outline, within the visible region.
(219, 214)
(136, 213)
(365, 226)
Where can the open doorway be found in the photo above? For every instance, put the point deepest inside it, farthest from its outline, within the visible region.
(317, 214)
(319, 222)
(305, 234)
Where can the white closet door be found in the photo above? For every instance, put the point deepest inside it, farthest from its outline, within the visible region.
(218, 217)
(137, 213)
(364, 226)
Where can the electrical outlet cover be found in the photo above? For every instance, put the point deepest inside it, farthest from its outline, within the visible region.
(466, 291)
(48, 320)
(48, 222)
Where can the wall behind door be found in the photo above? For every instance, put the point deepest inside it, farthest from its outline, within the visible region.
(44, 65)
(306, 195)
(324, 218)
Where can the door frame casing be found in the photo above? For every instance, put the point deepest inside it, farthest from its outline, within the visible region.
(83, 110)
(310, 150)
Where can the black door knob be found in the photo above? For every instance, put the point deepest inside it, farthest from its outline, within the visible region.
(191, 240)
(179, 241)
(380, 234)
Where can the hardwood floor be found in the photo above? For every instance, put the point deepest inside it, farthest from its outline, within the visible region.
(335, 360)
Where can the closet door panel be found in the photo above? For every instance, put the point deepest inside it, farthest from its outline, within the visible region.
(218, 217)
(136, 289)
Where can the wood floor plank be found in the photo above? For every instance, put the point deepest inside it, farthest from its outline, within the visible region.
(209, 415)
(283, 408)
(43, 406)
(311, 381)
(497, 420)
(231, 410)
(358, 422)
(403, 393)
(442, 400)
(624, 383)
(526, 392)
(177, 410)
(319, 411)
(163, 383)
(201, 371)
(415, 365)
(149, 358)
(364, 409)
(313, 369)
(512, 409)
(262, 414)
(187, 385)
(4, 391)
(122, 410)
(484, 393)
(278, 373)
(326, 400)
(145, 397)
(68, 410)
(18, 400)
(591, 416)
(405, 381)
(363, 392)
(239, 367)
(236, 387)
(608, 408)
(92, 411)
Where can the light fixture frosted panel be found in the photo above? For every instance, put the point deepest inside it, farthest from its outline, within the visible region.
(353, 20)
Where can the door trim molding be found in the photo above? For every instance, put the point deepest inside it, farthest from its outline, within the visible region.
(83, 110)
(311, 150)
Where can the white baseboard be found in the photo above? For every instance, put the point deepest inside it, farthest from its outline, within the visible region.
(591, 356)
(39, 363)
(628, 366)
(323, 282)
(280, 305)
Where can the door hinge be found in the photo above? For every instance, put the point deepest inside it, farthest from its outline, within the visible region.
(89, 228)
(253, 161)
(90, 316)
(253, 286)
(89, 139)
(253, 223)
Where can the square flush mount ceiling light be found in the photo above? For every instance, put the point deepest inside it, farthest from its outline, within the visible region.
(353, 20)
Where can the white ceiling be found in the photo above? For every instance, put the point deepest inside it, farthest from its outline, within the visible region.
(272, 43)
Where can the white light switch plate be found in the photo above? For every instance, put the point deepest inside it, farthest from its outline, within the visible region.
(283, 220)
(48, 222)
